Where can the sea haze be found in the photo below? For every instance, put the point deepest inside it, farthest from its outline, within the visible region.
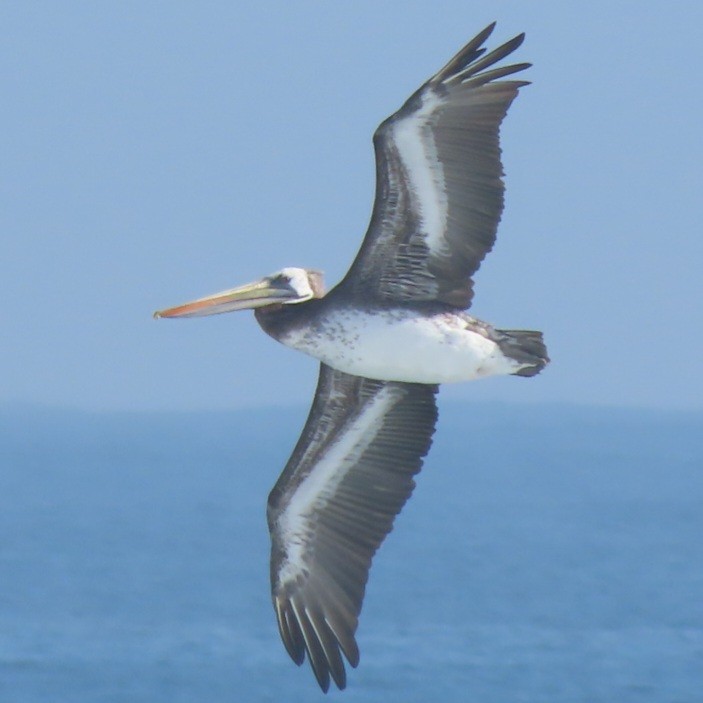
(548, 554)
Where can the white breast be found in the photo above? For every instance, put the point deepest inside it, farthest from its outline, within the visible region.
(401, 345)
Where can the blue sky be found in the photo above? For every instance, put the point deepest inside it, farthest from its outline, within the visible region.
(155, 152)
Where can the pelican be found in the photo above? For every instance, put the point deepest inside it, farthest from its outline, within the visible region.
(386, 336)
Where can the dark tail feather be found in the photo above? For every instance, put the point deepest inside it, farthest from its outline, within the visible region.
(526, 347)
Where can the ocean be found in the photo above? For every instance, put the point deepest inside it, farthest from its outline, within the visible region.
(549, 553)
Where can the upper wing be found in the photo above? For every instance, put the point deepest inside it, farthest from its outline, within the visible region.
(349, 476)
(439, 193)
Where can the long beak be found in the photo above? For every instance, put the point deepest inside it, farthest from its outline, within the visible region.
(251, 295)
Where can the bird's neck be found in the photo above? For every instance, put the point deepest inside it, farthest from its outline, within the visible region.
(277, 320)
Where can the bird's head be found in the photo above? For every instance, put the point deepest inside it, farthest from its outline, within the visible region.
(285, 287)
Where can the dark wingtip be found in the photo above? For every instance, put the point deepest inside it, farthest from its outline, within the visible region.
(465, 56)
(472, 59)
(488, 30)
(290, 634)
(481, 37)
(323, 679)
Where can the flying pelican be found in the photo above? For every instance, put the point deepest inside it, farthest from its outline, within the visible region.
(386, 337)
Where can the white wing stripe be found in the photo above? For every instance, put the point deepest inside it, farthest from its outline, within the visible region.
(325, 476)
(417, 149)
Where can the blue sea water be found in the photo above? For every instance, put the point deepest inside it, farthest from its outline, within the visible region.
(548, 554)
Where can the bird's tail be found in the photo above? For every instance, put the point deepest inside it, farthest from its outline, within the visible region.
(526, 347)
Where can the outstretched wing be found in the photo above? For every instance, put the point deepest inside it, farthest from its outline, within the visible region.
(439, 193)
(349, 476)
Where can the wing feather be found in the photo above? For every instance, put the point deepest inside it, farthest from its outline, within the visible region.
(348, 477)
(439, 188)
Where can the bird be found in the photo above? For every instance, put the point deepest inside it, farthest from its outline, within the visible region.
(386, 337)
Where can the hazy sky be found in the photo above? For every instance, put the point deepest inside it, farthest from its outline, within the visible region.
(155, 152)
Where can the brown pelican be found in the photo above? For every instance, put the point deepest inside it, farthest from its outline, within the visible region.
(386, 336)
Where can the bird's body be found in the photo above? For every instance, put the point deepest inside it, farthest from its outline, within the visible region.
(387, 335)
(415, 343)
